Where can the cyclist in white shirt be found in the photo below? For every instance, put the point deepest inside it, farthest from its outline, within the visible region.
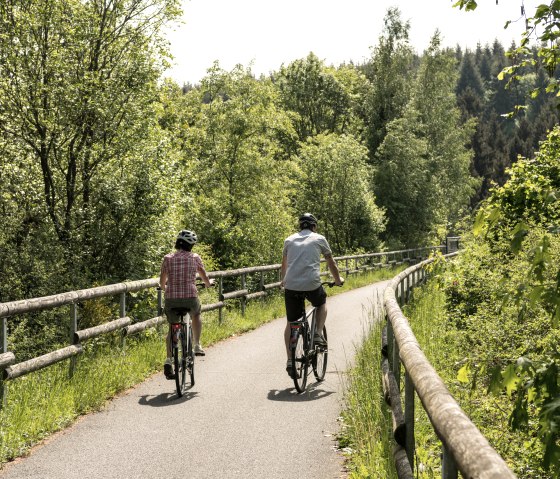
(300, 276)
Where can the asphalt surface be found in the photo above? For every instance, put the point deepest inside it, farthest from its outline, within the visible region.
(242, 419)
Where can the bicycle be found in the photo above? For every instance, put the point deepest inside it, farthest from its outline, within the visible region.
(303, 350)
(182, 349)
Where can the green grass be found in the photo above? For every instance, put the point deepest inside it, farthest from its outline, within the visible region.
(46, 401)
(365, 436)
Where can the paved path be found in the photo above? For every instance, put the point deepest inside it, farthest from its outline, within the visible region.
(242, 419)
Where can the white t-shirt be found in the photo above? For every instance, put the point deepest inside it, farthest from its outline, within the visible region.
(303, 257)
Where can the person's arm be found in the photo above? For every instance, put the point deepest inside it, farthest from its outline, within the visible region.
(163, 276)
(283, 270)
(204, 277)
(333, 268)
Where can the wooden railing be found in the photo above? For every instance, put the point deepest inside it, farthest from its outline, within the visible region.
(248, 290)
(464, 448)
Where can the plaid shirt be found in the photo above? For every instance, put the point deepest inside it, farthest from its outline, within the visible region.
(181, 268)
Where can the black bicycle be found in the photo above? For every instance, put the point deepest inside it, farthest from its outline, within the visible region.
(303, 350)
(182, 349)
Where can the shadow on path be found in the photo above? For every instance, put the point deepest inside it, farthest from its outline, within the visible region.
(166, 399)
(312, 393)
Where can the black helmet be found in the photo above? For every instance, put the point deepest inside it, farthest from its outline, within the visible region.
(306, 220)
(187, 236)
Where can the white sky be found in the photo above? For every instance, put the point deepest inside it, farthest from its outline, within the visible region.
(265, 34)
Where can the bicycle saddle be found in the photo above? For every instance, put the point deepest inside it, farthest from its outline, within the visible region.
(181, 311)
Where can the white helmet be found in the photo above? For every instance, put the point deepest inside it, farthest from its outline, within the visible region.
(187, 236)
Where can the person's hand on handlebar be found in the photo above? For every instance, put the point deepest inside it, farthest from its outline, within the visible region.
(340, 282)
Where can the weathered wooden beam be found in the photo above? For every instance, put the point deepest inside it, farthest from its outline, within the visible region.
(6, 359)
(384, 342)
(258, 294)
(234, 294)
(41, 362)
(404, 471)
(47, 302)
(213, 306)
(80, 336)
(267, 287)
(143, 325)
(393, 396)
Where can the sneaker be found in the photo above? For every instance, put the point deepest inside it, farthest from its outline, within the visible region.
(198, 351)
(168, 371)
(319, 340)
(289, 369)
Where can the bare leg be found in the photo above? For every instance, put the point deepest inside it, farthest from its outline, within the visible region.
(287, 334)
(196, 328)
(168, 342)
(321, 317)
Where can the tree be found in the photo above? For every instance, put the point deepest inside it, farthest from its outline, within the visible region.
(78, 81)
(422, 176)
(239, 179)
(402, 183)
(390, 73)
(322, 98)
(335, 187)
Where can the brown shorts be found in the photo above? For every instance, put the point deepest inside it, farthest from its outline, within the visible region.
(192, 303)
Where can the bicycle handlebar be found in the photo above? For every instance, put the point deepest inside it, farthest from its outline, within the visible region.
(331, 284)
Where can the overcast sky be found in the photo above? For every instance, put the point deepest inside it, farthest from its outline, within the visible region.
(268, 33)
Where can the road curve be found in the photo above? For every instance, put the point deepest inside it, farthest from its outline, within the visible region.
(242, 419)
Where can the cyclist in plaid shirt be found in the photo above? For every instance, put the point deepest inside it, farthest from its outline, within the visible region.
(177, 279)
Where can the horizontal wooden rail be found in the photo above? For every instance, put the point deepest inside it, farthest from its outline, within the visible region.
(213, 306)
(234, 294)
(268, 287)
(143, 325)
(6, 359)
(47, 302)
(80, 336)
(41, 362)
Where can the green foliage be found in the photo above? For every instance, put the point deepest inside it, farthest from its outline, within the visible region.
(390, 72)
(237, 195)
(322, 99)
(422, 167)
(335, 187)
(465, 353)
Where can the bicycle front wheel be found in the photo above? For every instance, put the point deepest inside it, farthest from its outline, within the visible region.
(320, 359)
(299, 361)
(179, 363)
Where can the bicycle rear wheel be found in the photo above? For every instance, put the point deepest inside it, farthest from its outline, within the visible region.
(179, 363)
(190, 357)
(320, 359)
(299, 361)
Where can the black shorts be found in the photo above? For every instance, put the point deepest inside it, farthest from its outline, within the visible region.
(295, 301)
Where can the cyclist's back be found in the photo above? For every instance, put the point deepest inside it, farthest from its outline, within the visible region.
(303, 258)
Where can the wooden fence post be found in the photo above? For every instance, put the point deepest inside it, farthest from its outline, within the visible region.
(3, 349)
(73, 329)
(122, 314)
(243, 299)
(409, 418)
(396, 363)
(261, 286)
(448, 466)
(220, 292)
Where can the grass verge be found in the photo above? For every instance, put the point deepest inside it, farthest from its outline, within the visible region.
(365, 436)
